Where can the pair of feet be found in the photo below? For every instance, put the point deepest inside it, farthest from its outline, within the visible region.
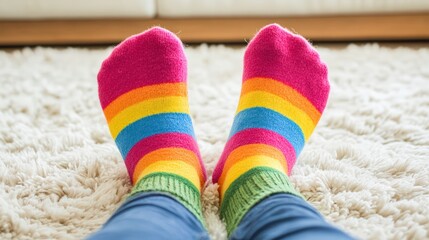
(143, 93)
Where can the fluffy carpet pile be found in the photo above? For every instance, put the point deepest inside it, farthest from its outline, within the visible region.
(366, 167)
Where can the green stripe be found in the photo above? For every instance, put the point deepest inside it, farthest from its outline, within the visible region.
(237, 183)
(181, 188)
(172, 175)
(249, 189)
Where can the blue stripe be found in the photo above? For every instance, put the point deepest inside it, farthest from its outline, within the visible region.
(152, 125)
(259, 117)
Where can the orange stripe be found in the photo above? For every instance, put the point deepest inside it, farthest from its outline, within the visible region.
(166, 154)
(283, 91)
(249, 150)
(143, 93)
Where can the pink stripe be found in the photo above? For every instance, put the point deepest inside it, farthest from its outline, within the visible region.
(159, 141)
(252, 136)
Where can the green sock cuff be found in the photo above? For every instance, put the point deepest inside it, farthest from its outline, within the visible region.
(249, 189)
(180, 188)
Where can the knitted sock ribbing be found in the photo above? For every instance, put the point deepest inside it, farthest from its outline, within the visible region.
(284, 92)
(143, 93)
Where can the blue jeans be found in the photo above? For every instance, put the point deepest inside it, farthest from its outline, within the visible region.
(159, 216)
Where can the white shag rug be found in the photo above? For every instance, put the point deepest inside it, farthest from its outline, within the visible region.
(366, 167)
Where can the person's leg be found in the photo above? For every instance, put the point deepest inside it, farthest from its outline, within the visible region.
(284, 92)
(152, 216)
(143, 93)
(285, 216)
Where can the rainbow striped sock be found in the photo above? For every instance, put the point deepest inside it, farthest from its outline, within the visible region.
(143, 93)
(284, 92)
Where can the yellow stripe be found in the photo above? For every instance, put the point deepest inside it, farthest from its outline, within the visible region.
(144, 93)
(245, 165)
(280, 105)
(284, 91)
(175, 167)
(249, 150)
(173, 153)
(147, 108)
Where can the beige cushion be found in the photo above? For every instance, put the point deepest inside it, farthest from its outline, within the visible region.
(69, 9)
(225, 8)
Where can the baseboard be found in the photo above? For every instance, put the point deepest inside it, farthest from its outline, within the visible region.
(316, 28)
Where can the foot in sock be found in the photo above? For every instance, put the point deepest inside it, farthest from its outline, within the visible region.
(143, 93)
(284, 92)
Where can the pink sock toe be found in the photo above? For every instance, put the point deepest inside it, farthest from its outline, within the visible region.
(281, 55)
(152, 57)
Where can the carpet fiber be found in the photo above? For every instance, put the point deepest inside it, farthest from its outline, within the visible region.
(366, 167)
